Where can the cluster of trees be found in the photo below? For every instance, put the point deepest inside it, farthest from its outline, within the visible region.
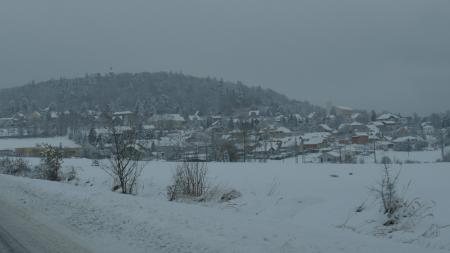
(50, 167)
(161, 92)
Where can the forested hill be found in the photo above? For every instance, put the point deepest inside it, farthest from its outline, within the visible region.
(160, 92)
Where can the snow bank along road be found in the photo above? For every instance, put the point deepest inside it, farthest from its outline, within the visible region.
(284, 208)
(19, 233)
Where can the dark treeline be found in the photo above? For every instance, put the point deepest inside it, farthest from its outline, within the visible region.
(152, 93)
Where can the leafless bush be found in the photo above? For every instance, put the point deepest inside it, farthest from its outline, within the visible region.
(70, 175)
(125, 161)
(273, 187)
(388, 194)
(386, 160)
(125, 175)
(230, 195)
(349, 158)
(398, 161)
(15, 167)
(394, 205)
(411, 162)
(189, 180)
(445, 158)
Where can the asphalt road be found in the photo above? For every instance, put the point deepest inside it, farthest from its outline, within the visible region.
(20, 233)
(9, 244)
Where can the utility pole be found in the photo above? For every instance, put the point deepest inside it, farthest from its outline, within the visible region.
(302, 149)
(443, 133)
(374, 150)
(265, 151)
(409, 146)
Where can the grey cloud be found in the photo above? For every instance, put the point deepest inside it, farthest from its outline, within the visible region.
(392, 55)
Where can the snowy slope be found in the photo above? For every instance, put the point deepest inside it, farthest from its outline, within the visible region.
(285, 207)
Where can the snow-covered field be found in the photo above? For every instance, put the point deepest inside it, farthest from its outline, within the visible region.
(285, 207)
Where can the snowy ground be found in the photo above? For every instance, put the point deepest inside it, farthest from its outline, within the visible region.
(285, 207)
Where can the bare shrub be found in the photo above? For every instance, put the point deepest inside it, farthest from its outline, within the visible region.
(388, 194)
(445, 158)
(397, 208)
(15, 167)
(230, 195)
(349, 158)
(411, 162)
(125, 161)
(273, 187)
(386, 160)
(71, 175)
(398, 161)
(189, 181)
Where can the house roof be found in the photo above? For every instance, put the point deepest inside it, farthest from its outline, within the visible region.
(173, 117)
(282, 129)
(298, 116)
(53, 115)
(388, 116)
(355, 123)
(373, 129)
(333, 154)
(121, 129)
(407, 138)
(326, 127)
(315, 138)
(122, 113)
(148, 127)
(376, 123)
(360, 134)
(389, 122)
(195, 116)
(311, 115)
(102, 131)
(355, 115)
(254, 112)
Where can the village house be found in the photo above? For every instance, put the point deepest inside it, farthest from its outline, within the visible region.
(124, 118)
(388, 117)
(330, 157)
(315, 141)
(253, 114)
(360, 138)
(427, 128)
(167, 121)
(344, 112)
(409, 143)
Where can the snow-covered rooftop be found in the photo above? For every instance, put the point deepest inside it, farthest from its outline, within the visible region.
(172, 117)
(326, 127)
(408, 138)
(315, 138)
(122, 113)
(388, 116)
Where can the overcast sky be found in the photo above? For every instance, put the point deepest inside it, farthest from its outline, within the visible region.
(381, 54)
